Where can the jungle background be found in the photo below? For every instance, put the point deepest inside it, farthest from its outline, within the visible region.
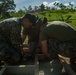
(64, 13)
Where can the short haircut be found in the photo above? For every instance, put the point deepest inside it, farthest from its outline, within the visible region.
(31, 18)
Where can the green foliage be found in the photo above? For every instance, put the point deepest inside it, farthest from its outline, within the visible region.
(58, 15)
(67, 14)
(20, 13)
(6, 6)
(36, 8)
(42, 7)
(43, 13)
(30, 8)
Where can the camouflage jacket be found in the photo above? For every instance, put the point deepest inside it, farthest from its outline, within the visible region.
(10, 32)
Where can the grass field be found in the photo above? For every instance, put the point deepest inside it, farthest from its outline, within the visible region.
(60, 17)
(54, 15)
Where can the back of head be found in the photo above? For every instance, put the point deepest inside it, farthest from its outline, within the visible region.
(45, 20)
(31, 18)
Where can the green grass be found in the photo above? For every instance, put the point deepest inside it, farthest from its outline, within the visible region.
(55, 15)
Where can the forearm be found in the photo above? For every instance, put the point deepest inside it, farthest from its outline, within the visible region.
(44, 50)
(44, 47)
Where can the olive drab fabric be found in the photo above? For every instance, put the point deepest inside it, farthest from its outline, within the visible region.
(58, 30)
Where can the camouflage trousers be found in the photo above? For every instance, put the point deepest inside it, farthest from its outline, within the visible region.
(8, 54)
(67, 48)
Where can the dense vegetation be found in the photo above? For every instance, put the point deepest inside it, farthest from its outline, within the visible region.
(65, 13)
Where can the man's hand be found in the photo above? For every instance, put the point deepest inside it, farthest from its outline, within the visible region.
(47, 56)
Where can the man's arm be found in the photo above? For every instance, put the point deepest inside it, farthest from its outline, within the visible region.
(43, 39)
(45, 48)
(23, 38)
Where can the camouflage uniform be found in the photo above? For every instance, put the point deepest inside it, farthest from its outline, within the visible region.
(66, 48)
(10, 40)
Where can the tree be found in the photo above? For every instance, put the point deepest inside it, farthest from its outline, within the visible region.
(21, 11)
(30, 8)
(6, 5)
(62, 6)
(42, 7)
(56, 4)
(25, 9)
(75, 8)
(36, 8)
(47, 8)
(70, 5)
(59, 5)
